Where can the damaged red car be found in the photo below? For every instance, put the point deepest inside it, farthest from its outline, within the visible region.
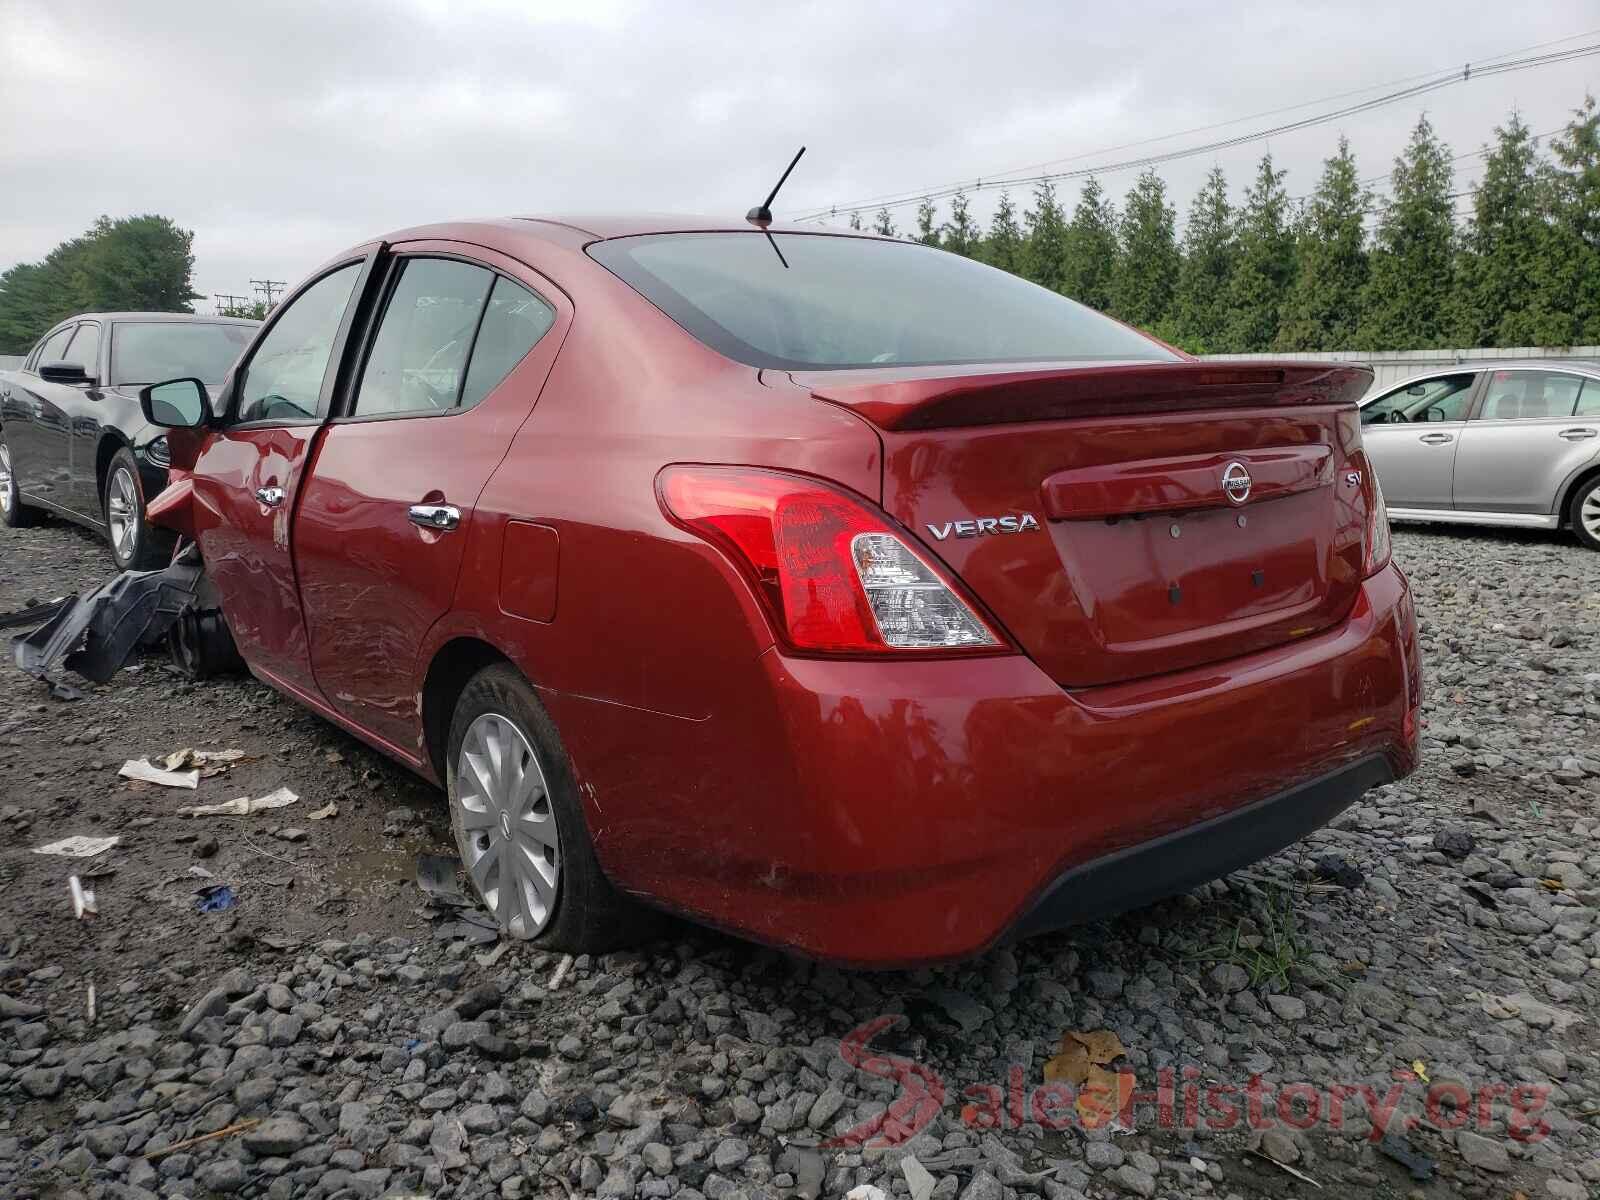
(830, 589)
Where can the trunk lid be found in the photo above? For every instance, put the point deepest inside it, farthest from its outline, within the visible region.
(1125, 520)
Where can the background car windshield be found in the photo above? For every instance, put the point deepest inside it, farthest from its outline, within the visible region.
(153, 351)
(856, 302)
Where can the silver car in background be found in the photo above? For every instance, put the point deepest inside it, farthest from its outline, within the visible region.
(1507, 444)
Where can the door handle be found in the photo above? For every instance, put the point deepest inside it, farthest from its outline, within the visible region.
(270, 496)
(443, 517)
(1576, 435)
(1435, 439)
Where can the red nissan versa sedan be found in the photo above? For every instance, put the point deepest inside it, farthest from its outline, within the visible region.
(831, 589)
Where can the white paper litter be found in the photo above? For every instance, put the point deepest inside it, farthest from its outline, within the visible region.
(216, 759)
(82, 898)
(322, 814)
(140, 769)
(78, 847)
(243, 806)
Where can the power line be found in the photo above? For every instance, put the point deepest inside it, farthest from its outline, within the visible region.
(1433, 83)
(268, 288)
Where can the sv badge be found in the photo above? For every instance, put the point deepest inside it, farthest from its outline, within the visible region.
(982, 525)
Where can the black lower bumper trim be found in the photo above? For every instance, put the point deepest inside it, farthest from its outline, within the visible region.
(1184, 859)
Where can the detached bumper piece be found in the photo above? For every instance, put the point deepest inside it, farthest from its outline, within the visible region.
(1186, 858)
(97, 633)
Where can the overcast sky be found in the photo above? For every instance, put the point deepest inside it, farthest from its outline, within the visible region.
(282, 132)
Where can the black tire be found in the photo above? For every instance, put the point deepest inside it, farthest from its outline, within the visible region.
(14, 514)
(1585, 513)
(141, 547)
(588, 914)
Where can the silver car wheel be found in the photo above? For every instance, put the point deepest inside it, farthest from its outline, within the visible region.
(122, 511)
(1589, 513)
(8, 489)
(505, 826)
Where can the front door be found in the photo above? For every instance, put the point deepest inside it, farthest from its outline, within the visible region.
(1411, 435)
(1526, 440)
(249, 469)
(38, 428)
(386, 509)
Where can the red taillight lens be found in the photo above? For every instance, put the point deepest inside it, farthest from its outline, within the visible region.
(832, 572)
(1379, 546)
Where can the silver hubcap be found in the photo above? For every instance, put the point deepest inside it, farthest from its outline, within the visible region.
(6, 492)
(122, 508)
(506, 827)
(1589, 513)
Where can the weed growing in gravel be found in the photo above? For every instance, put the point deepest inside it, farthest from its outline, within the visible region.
(1267, 943)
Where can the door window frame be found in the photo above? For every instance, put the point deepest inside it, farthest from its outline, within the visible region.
(1481, 400)
(1473, 397)
(92, 368)
(391, 272)
(333, 373)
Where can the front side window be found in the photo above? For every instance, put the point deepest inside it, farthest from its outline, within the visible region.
(85, 348)
(419, 357)
(154, 351)
(1588, 400)
(283, 381)
(1442, 399)
(55, 346)
(807, 301)
(1530, 395)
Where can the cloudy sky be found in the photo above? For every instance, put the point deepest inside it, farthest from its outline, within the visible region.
(282, 132)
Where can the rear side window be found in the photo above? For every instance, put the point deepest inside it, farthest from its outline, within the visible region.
(1530, 395)
(795, 301)
(419, 357)
(514, 321)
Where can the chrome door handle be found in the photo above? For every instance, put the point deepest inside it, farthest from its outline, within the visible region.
(1435, 439)
(435, 516)
(1576, 435)
(270, 496)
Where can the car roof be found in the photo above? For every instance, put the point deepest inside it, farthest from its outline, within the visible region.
(577, 229)
(158, 316)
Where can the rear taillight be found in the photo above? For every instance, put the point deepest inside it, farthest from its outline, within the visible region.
(1378, 545)
(834, 573)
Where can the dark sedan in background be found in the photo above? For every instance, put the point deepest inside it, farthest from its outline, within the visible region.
(72, 438)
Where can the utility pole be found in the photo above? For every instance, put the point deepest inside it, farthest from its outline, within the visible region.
(269, 289)
(226, 302)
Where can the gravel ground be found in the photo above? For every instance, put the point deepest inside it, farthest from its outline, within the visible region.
(1438, 947)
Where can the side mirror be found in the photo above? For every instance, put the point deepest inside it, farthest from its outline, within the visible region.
(64, 372)
(176, 404)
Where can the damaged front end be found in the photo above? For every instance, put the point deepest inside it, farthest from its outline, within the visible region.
(94, 635)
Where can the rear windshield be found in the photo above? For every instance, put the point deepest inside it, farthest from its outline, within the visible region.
(154, 351)
(856, 302)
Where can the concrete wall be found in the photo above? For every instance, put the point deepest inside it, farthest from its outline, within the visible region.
(1391, 366)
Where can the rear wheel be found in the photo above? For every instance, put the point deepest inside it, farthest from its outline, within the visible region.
(519, 826)
(1586, 513)
(13, 512)
(134, 544)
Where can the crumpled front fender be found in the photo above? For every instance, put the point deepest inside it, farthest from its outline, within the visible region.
(174, 507)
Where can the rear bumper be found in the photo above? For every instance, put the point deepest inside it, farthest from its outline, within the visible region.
(1184, 859)
(899, 813)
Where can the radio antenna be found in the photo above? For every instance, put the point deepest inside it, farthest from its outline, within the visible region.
(761, 214)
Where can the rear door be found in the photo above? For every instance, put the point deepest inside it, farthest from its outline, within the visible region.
(1412, 434)
(248, 471)
(1525, 441)
(386, 509)
(37, 427)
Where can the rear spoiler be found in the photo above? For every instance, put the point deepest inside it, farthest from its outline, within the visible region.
(898, 400)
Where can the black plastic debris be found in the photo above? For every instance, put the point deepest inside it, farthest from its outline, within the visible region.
(436, 876)
(1335, 868)
(456, 917)
(96, 634)
(1397, 1147)
(34, 614)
